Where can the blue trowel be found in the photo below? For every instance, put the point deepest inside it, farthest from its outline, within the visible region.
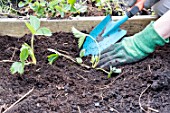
(108, 32)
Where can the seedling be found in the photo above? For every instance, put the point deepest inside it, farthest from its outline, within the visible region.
(52, 8)
(111, 71)
(81, 37)
(26, 50)
(81, 55)
(94, 59)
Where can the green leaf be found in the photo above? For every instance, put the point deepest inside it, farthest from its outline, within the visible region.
(17, 67)
(109, 74)
(44, 31)
(30, 52)
(97, 58)
(22, 4)
(92, 59)
(53, 3)
(79, 60)
(81, 36)
(77, 33)
(24, 54)
(82, 52)
(35, 22)
(80, 8)
(60, 9)
(71, 2)
(72, 9)
(33, 31)
(52, 58)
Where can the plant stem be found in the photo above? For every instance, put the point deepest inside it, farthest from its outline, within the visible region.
(32, 47)
(95, 64)
(32, 42)
(69, 58)
(102, 70)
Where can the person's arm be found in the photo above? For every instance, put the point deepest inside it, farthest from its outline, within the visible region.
(162, 25)
(134, 48)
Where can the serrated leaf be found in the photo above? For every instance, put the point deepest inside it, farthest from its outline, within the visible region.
(33, 31)
(44, 31)
(77, 33)
(82, 52)
(24, 54)
(35, 22)
(17, 67)
(52, 58)
(80, 42)
(81, 36)
(79, 60)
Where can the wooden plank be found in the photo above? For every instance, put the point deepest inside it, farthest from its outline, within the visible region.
(17, 28)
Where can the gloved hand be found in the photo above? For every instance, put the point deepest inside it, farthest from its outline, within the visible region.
(132, 49)
(148, 4)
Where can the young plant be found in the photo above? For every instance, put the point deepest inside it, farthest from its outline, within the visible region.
(81, 37)
(81, 55)
(39, 8)
(26, 50)
(94, 59)
(111, 71)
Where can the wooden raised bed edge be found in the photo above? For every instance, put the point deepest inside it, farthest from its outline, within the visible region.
(16, 27)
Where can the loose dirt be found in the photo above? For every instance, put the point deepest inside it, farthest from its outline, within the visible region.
(66, 87)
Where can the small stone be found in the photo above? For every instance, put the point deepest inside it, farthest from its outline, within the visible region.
(97, 104)
(38, 105)
(111, 109)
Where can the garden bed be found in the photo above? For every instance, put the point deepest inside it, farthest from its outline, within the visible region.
(16, 27)
(66, 87)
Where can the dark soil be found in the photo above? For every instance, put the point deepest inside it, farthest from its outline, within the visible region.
(66, 87)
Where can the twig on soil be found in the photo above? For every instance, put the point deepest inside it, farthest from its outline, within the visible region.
(63, 51)
(140, 105)
(13, 54)
(10, 61)
(79, 109)
(162, 51)
(30, 91)
(149, 108)
(149, 69)
(81, 76)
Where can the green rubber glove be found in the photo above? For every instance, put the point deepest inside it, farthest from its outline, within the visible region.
(148, 4)
(132, 49)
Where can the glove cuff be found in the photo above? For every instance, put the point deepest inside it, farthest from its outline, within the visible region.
(143, 43)
(148, 39)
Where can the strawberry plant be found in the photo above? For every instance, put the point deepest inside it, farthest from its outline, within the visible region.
(27, 50)
(94, 59)
(54, 8)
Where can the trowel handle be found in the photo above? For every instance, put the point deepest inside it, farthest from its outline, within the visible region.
(136, 8)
